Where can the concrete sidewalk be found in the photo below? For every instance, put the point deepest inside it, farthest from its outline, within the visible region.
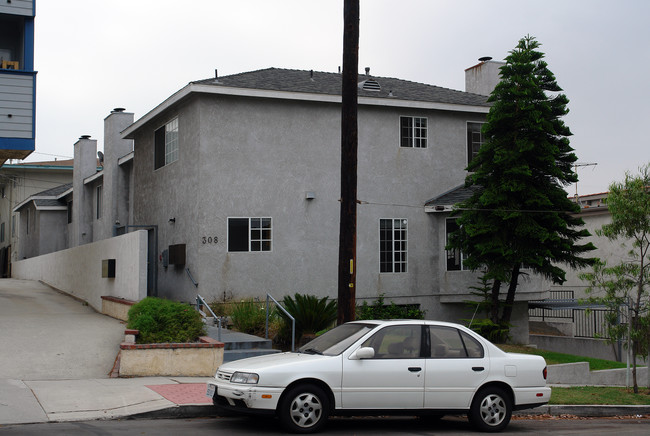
(25, 402)
(56, 354)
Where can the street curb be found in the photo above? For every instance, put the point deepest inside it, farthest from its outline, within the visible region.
(596, 411)
(179, 411)
(587, 410)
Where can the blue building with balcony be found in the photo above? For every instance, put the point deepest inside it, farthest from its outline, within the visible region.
(17, 79)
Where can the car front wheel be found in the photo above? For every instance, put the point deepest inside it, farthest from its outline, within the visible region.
(304, 409)
(491, 409)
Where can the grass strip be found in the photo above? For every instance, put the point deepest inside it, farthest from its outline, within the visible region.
(591, 395)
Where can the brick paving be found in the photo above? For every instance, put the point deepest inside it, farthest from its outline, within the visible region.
(183, 393)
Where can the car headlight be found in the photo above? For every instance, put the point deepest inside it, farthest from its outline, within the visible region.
(247, 378)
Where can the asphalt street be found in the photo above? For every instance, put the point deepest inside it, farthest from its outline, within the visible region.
(337, 426)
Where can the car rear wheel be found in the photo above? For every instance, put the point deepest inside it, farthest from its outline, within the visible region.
(304, 409)
(491, 409)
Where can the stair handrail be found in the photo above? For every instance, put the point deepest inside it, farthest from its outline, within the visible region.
(293, 321)
(200, 301)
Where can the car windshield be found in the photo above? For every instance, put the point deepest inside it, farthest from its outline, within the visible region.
(335, 341)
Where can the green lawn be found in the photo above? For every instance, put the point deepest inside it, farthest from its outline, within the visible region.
(599, 395)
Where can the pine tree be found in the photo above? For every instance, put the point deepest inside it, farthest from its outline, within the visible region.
(521, 216)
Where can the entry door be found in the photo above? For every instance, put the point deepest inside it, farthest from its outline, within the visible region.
(394, 378)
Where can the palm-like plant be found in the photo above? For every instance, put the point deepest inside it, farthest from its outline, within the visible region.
(312, 314)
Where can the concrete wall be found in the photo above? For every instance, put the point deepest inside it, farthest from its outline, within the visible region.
(597, 348)
(78, 271)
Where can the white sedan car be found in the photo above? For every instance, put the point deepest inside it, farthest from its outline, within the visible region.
(383, 368)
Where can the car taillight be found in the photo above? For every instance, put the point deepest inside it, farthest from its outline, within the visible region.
(545, 372)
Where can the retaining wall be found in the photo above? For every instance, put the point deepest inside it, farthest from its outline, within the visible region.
(78, 271)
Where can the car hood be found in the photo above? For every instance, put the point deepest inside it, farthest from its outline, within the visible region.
(272, 361)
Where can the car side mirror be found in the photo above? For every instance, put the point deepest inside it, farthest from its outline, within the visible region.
(363, 353)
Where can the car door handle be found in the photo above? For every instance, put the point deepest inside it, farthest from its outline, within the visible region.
(477, 368)
(415, 369)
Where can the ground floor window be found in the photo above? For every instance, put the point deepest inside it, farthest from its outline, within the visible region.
(250, 234)
(393, 245)
(454, 257)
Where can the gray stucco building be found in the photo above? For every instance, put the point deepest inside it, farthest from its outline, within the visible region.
(241, 174)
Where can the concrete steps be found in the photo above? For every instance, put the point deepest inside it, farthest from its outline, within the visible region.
(241, 345)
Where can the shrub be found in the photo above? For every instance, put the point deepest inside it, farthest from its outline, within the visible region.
(379, 310)
(160, 320)
(249, 316)
(311, 314)
(493, 332)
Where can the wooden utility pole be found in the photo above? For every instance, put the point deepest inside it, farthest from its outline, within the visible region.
(349, 144)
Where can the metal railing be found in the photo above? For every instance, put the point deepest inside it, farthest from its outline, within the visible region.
(590, 323)
(293, 320)
(542, 313)
(201, 302)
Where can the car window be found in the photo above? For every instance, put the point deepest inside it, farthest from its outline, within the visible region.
(473, 347)
(451, 343)
(396, 342)
(335, 341)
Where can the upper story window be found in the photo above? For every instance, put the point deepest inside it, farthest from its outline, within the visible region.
(393, 245)
(454, 257)
(166, 144)
(474, 140)
(413, 132)
(250, 234)
(99, 201)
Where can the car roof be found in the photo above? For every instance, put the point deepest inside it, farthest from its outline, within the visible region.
(408, 321)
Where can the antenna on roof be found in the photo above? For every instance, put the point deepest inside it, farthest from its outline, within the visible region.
(100, 155)
(485, 58)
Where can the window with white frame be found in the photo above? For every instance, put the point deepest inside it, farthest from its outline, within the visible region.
(99, 201)
(413, 132)
(166, 144)
(393, 245)
(474, 140)
(250, 234)
(455, 257)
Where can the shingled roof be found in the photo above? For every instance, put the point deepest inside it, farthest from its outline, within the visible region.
(447, 200)
(49, 198)
(316, 82)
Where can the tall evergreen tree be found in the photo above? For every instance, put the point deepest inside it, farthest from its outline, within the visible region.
(521, 216)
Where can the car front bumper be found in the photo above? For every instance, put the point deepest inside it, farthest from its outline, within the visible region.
(245, 398)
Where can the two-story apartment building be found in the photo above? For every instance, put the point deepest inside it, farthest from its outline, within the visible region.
(17, 79)
(241, 176)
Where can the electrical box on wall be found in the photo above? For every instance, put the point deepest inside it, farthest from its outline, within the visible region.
(108, 268)
(177, 254)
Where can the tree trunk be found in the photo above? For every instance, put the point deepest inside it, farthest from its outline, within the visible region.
(494, 301)
(349, 145)
(510, 297)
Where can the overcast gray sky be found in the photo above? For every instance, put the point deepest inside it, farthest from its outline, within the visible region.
(95, 55)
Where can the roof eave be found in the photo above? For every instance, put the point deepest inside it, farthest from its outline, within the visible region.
(129, 132)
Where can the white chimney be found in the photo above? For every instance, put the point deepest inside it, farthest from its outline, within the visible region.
(483, 77)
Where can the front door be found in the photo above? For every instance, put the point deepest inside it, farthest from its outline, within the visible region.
(394, 378)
